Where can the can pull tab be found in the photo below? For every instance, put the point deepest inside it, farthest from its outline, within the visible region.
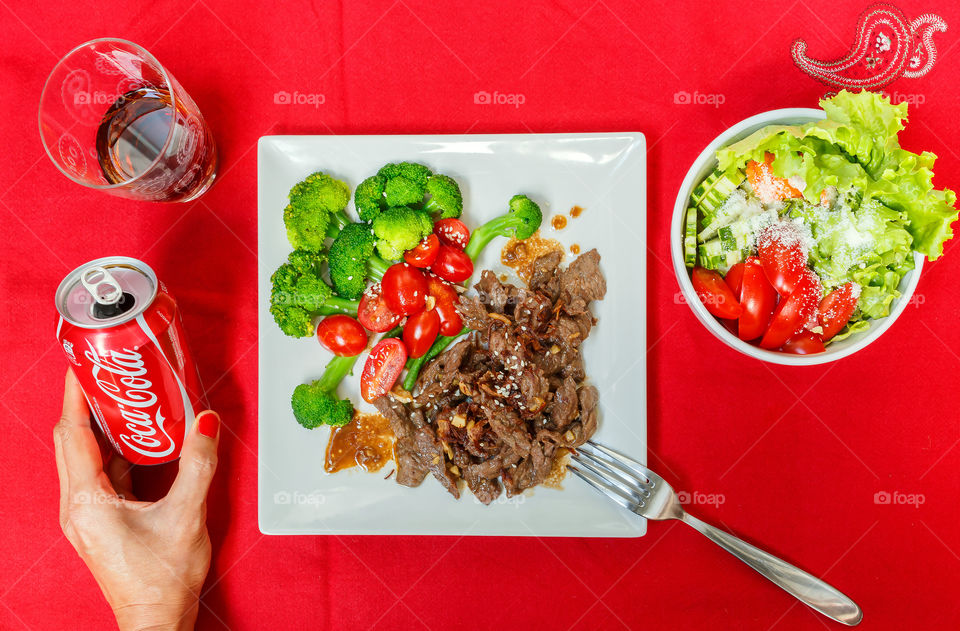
(102, 285)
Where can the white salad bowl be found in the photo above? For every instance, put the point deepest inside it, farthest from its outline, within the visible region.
(705, 163)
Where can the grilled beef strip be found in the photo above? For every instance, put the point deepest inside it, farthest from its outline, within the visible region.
(497, 408)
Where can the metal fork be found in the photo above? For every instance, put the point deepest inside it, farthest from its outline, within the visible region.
(643, 492)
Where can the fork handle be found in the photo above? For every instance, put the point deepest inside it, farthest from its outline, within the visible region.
(807, 588)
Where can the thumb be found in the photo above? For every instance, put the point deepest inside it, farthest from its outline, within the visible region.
(198, 460)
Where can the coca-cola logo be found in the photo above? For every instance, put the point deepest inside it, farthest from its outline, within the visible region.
(125, 382)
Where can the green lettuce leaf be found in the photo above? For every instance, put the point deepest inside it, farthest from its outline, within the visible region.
(864, 125)
(856, 146)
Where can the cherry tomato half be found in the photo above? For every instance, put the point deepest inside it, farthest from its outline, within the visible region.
(374, 313)
(452, 232)
(452, 264)
(804, 343)
(734, 279)
(715, 294)
(794, 312)
(758, 299)
(445, 299)
(420, 331)
(384, 365)
(342, 335)
(836, 309)
(404, 289)
(425, 253)
(781, 254)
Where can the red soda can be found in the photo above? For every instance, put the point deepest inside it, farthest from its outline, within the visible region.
(121, 329)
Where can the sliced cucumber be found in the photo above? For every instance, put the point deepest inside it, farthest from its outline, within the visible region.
(727, 240)
(715, 190)
(719, 180)
(714, 255)
(704, 187)
(690, 237)
(723, 215)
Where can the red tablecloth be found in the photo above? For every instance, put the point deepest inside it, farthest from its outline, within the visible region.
(794, 457)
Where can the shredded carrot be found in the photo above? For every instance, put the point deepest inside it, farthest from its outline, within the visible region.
(768, 187)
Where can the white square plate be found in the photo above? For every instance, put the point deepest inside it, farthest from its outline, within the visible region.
(603, 173)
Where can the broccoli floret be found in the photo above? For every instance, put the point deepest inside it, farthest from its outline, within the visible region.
(368, 198)
(416, 173)
(396, 184)
(315, 204)
(445, 196)
(306, 262)
(352, 260)
(520, 222)
(316, 403)
(299, 294)
(400, 191)
(400, 229)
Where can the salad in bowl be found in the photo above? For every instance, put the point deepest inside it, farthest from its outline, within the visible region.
(803, 234)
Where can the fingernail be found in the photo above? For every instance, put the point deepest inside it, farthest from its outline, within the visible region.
(208, 423)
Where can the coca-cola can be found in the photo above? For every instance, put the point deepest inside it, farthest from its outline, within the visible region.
(121, 329)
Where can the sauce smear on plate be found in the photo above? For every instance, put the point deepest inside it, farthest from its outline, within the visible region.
(520, 255)
(365, 442)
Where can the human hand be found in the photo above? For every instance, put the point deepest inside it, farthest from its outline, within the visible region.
(149, 558)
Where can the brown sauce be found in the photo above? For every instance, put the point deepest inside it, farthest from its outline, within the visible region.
(559, 222)
(520, 255)
(576, 211)
(558, 471)
(365, 442)
(574, 249)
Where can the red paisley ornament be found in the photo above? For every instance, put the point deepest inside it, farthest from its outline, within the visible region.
(888, 47)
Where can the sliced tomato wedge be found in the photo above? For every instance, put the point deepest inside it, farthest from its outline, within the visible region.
(452, 264)
(730, 325)
(382, 369)
(374, 313)
(420, 331)
(404, 289)
(715, 294)
(342, 335)
(767, 186)
(794, 312)
(734, 279)
(425, 253)
(804, 343)
(453, 232)
(758, 299)
(445, 299)
(780, 248)
(836, 309)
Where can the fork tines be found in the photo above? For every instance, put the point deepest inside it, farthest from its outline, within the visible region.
(620, 478)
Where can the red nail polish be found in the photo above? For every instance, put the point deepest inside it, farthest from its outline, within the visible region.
(208, 423)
